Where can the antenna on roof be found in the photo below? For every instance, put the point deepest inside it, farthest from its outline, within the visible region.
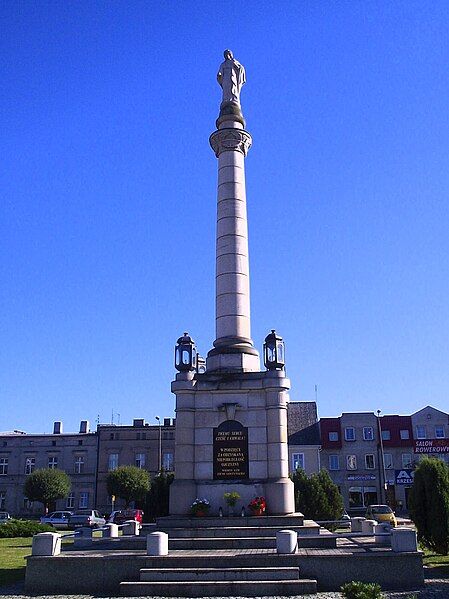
(316, 393)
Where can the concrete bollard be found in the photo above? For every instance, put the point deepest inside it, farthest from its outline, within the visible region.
(46, 543)
(379, 534)
(111, 531)
(356, 524)
(84, 537)
(403, 539)
(286, 541)
(157, 543)
(131, 527)
(368, 526)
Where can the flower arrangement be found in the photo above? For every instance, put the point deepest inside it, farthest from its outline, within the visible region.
(231, 498)
(258, 505)
(200, 507)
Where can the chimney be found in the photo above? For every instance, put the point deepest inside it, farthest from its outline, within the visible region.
(84, 426)
(167, 421)
(57, 427)
(139, 422)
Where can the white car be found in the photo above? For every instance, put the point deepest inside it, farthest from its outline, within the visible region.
(57, 519)
(4, 517)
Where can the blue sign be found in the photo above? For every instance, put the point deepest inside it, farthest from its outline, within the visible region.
(404, 477)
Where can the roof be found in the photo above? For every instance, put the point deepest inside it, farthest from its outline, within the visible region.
(307, 436)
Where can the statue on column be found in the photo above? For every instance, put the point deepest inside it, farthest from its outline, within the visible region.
(231, 77)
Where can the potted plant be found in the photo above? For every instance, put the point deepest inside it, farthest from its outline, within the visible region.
(231, 499)
(257, 506)
(200, 508)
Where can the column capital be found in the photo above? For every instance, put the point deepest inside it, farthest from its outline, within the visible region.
(230, 140)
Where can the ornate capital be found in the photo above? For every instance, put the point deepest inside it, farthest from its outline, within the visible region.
(230, 140)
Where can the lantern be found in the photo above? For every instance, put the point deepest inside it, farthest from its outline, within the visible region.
(274, 352)
(185, 354)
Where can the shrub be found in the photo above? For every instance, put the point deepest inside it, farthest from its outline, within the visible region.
(129, 483)
(429, 504)
(231, 498)
(317, 497)
(47, 485)
(361, 590)
(22, 528)
(157, 499)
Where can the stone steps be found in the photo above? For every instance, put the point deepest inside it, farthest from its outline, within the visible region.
(211, 574)
(236, 531)
(166, 522)
(222, 543)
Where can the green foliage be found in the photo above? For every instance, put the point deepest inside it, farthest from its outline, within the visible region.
(317, 497)
(361, 590)
(429, 504)
(157, 500)
(47, 485)
(22, 528)
(129, 483)
(231, 498)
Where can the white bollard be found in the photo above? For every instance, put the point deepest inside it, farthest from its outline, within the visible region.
(46, 543)
(286, 541)
(379, 534)
(403, 539)
(157, 543)
(111, 531)
(368, 526)
(356, 524)
(131, 527)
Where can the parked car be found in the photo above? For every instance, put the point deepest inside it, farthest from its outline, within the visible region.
(121, 516)
(57, 519)
(345, 520)
(90, 518)
(381, 513)
(4, 517)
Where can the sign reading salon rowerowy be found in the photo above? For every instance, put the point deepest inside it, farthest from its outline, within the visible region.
(431, 446)
(231, 451)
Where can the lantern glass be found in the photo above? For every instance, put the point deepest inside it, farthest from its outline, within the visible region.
(280, 352)
(271, 353)
(185, 356)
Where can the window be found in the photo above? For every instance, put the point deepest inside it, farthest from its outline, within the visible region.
(369, 461)
(386, 435)
(350, 433)
(333, 436)
(334, 462)
(53, 443)
(80, 442)
(405, 434)
(30, 464)
(167, 461)
(368, 433)
(420, 432)
(70, 501)
(439, 432)
(3, 466)
(351, 462)
(52, 462)
(27, 504)
(113, 461)
(2, 500)
(79, 464)
(388, 461)
(84, 499)
(297, 461)
(140, 460)
(5, 443)
(406, 460)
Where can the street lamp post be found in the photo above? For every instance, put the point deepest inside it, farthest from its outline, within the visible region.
(160, 445)
(382, 459)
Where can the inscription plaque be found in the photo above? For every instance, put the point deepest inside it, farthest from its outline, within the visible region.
(231, 451)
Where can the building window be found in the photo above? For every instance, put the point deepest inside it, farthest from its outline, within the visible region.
(351, 462)
(27, 504)
(140, 460)
(350, 433)
(439, 432)
(368, 433)
(386, 435)
(167, 461)
(113, 461)
(30, 464)
(80, 442)
(53, 443)
(2, 500)
(79, 465)
(70, 501)
(420, 432)
(333, 436)
(297, 461)
(3, 466)
(405, 434)
(334, 462)
(52, 462)
(407, 460)
(369, 461)
(362, 496)
(141, 436)
(84, 499)
(388, 461)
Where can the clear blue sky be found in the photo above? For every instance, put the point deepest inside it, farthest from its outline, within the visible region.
(108, 193)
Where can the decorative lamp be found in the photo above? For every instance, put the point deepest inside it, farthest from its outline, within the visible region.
(200, 364)
(274, 351)
(185, 354)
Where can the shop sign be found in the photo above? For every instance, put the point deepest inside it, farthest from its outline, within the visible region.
(361, 477)
(404, 477)
(431, 446)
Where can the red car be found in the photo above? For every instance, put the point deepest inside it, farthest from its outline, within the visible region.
(121, 516)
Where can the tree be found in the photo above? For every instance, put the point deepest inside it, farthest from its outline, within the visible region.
(157, 500)
(429, 504)
(317, 497)
(129, 483)
(47, 485)
(334, 507)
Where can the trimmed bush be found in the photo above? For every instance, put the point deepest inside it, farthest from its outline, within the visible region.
(317, 497)
(23, 528)
(129, 483)
(429, 504)
(361, 590)
(47, 485)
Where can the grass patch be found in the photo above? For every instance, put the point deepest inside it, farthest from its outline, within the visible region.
(437, 565)
(12, 559)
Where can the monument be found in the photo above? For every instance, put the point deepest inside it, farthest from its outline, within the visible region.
(231, 417)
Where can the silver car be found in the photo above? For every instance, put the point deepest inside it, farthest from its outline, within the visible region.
(57, 519)
(4, 517)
